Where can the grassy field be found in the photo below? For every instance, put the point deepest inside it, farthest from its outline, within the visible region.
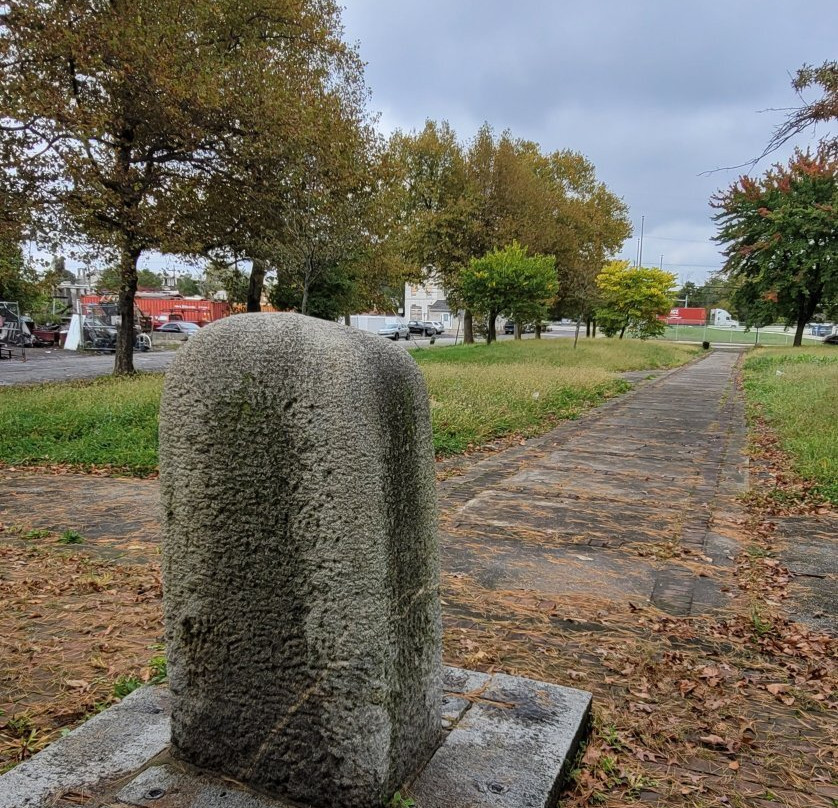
(796, 390)
(478, 394)
(697, 333)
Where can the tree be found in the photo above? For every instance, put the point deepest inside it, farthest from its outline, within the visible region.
(19, 282)
(113, 110)
(188, 286)
(227, 277)
(302, 148)
(463, 201)
(587, 224)
(508, 281)
(633, 298)
(822, 110)
(435, 211)
(781, 232)
(111, 280)
(332, 222)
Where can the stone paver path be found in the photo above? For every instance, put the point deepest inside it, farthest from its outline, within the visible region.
(587, 507)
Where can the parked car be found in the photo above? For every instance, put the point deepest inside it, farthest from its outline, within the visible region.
(820, 329)
(178, 327)
(440, 328)
(419, 327)
(509, 328)
(832, 339)
(395, 331)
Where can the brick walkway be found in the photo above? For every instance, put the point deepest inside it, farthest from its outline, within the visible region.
(646, 471)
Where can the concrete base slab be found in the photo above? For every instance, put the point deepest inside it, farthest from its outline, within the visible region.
(512, 746)
(510, 742)
(110, 746)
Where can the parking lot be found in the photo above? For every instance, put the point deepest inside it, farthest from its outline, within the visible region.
(54, 365)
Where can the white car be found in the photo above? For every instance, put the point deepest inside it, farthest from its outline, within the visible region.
(440, 328)
(395, 331)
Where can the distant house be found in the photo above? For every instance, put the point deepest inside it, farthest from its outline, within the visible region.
(427, 301)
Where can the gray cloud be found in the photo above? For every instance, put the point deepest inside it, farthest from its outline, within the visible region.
(654, 92)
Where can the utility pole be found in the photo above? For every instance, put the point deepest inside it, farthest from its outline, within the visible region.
(640, 257)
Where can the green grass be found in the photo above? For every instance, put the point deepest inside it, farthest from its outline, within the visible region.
(478, 393)
(605, 354)
(797, 392)
(104, 422)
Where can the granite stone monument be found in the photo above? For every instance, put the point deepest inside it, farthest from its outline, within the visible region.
(300, 559)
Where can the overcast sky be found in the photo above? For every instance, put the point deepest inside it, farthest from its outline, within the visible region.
(653, 92)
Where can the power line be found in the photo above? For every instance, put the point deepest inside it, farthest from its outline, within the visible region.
(685, 240)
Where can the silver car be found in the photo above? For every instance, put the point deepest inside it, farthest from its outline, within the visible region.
(395, 331)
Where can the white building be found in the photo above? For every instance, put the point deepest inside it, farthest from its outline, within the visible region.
(427, 301)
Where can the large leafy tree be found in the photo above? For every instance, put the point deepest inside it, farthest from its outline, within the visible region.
(340, 227)
(112, 110)
(19, 282)
(509, 282)
(463, 201)
(633, 298)
(587, 224)
(295, 179)
(435, 210)
(781, 233)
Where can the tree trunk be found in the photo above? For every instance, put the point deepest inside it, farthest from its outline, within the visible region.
(593, 329)
(124, 357)
(578, 326)
(805, 311)
(538, 331)
(587, 326)
(798, 333)
(256, 284)
(518, 331)
(622, 331)
(491, 332)
(468, 328)
(347, 319)
(306, 285)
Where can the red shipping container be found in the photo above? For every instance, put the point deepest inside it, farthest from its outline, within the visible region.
(684, 316)
(165, 309)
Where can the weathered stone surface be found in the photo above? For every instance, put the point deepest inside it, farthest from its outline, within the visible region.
(807, 547)
(110, 745)
(300, 559)
(511, 748)
(169, 786)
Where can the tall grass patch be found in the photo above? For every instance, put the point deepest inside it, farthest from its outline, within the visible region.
(105, 422)
(603, 354)
(478, 394)
(473, 405)
(796, 390)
